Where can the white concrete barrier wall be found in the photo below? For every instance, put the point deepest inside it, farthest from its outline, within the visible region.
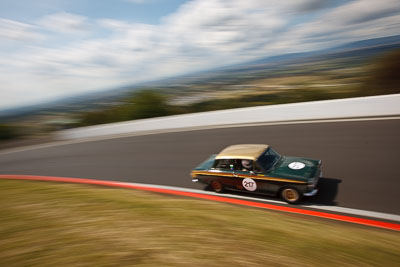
(387, 105)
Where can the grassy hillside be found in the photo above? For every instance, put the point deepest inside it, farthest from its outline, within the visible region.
(47, 224)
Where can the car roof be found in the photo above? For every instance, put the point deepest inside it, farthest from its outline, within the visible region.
(243, 151)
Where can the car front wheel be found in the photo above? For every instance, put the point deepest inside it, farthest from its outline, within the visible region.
(290, 195)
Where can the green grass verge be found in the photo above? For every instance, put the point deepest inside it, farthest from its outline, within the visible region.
(49, 224)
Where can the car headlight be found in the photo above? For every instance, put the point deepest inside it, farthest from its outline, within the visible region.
(311, 182)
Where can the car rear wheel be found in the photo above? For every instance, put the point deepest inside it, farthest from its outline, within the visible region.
(217, 186)
(290, 195)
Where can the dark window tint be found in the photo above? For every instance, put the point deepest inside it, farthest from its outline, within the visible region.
(225, 164)
(257, 168)
(268, 159)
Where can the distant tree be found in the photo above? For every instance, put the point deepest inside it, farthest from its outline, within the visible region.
(140, 105)
(92, 118)
(384, 76)
(7, 132)
(147, 104)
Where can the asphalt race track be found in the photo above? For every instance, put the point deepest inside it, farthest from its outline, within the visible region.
(361, 167)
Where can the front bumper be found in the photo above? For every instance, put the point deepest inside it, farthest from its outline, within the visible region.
(314, 184)
(312, 193)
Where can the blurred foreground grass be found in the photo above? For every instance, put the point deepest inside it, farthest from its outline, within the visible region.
(47, 224)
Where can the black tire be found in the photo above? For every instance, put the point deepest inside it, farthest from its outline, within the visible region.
(216, 186)
(290, 194)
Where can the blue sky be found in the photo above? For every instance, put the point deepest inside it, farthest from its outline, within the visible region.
(149, 11)
(51, 49)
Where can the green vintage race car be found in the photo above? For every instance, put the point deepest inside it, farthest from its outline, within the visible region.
(259, 169)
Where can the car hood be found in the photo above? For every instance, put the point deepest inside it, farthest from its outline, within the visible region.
(295, 167)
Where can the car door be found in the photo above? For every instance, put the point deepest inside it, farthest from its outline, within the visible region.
(251, 179)
(223, 172)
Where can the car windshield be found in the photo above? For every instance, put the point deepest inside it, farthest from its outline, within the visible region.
(268, 159)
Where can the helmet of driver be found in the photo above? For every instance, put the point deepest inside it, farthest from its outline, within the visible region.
(247, 163)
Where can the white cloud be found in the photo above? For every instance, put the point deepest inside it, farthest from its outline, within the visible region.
(361, 19)
(14, 30)
(360, 11)
(115, 25)
(201, 34)
(222, 30)
(64, 23)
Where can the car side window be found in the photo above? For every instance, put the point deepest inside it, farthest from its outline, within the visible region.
(224, 164)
